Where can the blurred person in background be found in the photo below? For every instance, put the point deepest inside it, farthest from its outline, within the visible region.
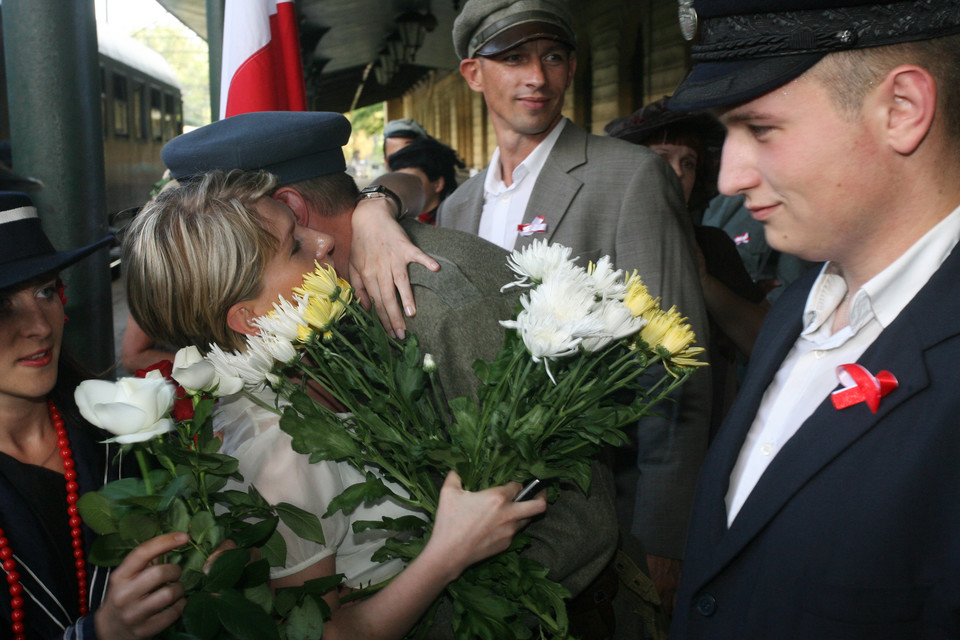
(435, 165)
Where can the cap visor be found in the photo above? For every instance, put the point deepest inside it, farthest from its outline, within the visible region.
(719, 84)
(525, 32)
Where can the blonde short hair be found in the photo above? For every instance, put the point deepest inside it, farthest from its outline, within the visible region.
(193, 253)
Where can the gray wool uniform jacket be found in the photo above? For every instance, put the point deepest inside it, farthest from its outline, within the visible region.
(603, 196)
(457, 321)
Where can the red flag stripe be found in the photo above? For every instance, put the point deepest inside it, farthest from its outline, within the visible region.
(261, 58)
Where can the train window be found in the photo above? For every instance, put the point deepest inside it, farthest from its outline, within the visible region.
(156, 115)
(169, 116)
(139, 122)
(121, 122)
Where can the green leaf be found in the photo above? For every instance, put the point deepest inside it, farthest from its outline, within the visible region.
(125, 488)
(274, 550)
(318, 438)
(256, 573)
(197, 618)
(191, 579)
(256, 534)
(202, 411)
(303, 523)
(403, 523)
(227, 569)
(305, 621)
(97, 512)
(201, 527)
(237, 498)
(260, 595)
(138, 527)
(370, 491)
(177, 516)
(151, 503)
(319, 586)
(109, 550)
(243, 621)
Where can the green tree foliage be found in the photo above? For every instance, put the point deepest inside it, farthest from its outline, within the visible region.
(186, 52)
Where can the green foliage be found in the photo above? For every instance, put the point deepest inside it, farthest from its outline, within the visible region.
(187, 54)
(522, 425)
(186, 492)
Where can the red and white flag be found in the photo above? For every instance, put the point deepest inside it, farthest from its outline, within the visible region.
(261, 68)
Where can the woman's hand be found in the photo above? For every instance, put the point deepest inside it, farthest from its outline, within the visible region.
(143, 598)
(379, 255)
(471, 526)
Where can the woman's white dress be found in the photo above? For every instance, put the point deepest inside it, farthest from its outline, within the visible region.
(252, 434)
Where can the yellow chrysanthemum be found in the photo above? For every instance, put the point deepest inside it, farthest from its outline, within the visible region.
(667, 329)
(638, 298)
(325, 283)
(323, 312)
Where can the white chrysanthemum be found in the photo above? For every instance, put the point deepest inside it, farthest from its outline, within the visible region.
(543, 336)
(607, 281)
(281, 349)
(250, 366)
(618, 322)
(564, 301)
(285, 320)
(537, 261)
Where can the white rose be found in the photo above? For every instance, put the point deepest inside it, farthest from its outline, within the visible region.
(197, 374)
(132, 409)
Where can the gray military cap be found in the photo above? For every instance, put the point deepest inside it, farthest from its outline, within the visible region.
(489, 27)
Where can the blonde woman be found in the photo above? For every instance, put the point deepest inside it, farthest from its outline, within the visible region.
(203, 262)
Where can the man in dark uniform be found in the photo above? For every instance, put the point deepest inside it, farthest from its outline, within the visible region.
(829, 503)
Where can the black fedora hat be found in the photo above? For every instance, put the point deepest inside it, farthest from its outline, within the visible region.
(25, 250)
(748, 48)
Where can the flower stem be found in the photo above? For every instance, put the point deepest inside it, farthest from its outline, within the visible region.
(144, 470)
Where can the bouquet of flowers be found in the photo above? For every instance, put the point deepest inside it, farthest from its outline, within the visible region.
(183, 486)
(577, 365)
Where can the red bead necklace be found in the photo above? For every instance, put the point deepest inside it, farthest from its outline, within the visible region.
(76, 535)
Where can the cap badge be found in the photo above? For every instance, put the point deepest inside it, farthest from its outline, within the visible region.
(688, 19)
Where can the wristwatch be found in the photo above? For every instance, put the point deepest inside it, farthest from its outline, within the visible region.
(374, 191)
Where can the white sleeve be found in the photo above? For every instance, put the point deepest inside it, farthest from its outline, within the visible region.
(267, 461)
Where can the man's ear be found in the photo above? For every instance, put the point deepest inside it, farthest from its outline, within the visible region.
(439, 184)
(909, 101)
(240, 318)
(297, 203)
(470, 70)
(573, 68)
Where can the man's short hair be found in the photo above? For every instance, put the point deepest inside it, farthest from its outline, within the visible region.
(193, 253)
(849, 75)
(331, 195)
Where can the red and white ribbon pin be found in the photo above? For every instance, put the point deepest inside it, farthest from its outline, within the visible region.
(862, 386)
(539, 225)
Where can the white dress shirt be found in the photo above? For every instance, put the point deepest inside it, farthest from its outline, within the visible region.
(503, 206)
(808, 373)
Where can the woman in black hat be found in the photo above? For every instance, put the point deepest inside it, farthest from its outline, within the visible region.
(49, 456)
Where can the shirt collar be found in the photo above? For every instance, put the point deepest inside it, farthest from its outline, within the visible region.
(886, 294)
(531, 165)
